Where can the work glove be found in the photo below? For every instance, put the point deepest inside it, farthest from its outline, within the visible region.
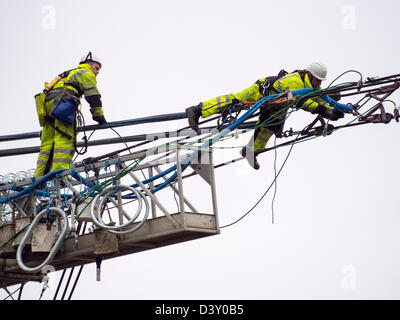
(327, 113)
(100, 119)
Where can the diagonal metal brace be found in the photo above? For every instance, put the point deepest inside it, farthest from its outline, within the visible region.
(152, 197)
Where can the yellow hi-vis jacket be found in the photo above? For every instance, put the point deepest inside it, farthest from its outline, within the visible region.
(294, 81)
(218, 104)
(56, 149)
(82, 81)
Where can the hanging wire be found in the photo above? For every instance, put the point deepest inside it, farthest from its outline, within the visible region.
(275, 182)
(265, 193)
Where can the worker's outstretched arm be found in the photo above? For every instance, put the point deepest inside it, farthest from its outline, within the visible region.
(88, 83)
(315, 105)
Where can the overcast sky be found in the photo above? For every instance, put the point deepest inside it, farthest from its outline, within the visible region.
(335, 234)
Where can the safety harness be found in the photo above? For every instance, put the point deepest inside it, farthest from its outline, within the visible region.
(58, 94)
(265, 86)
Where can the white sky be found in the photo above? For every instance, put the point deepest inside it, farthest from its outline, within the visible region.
(335, 234)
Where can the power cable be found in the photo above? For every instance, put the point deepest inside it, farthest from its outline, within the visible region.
(273, 183)
(76, 281)
(283, 164)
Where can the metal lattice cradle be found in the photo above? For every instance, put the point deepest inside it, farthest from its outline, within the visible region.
(164, 226)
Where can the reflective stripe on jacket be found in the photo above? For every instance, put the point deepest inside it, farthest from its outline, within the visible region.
(217, 104)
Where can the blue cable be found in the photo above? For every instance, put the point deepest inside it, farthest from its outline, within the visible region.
(338, 106)
(186, 162)
(33, 186)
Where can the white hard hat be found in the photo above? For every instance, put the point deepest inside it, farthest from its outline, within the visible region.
(90, 57)
(318, 70)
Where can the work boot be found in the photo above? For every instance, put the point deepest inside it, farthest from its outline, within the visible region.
(251, 157)
(193, 114)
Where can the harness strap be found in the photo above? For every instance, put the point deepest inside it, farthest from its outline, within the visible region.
(51, 122)
(265, 86)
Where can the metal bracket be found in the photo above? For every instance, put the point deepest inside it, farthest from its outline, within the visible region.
(379, 118)
(324, 129)
(383, 117)
(202, 166)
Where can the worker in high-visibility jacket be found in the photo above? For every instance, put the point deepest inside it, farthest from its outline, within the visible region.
(310, 77)
(58, 137)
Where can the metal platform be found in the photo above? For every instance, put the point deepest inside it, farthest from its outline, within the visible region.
(86, 241)
(155, 233)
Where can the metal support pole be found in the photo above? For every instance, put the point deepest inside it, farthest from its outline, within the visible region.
(119, 206)
(119, 199)
(213, 190)
(67, 284)
(76, 281)
(191, 207)
(9, 294)
(153, 205)
(20, 290)
(180, 185)
(152, 197)
(59, 284)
